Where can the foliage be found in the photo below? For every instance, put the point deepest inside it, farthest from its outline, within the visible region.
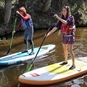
(45, 19)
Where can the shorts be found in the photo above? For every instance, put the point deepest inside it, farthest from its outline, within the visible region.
(67, 39)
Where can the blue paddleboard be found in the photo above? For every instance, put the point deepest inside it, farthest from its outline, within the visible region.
(21, 57)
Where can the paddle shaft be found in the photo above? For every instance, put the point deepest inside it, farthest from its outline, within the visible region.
(38, 51)
(12, 36)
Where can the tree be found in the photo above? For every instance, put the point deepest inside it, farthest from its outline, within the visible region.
(8, 7)
(47, 5)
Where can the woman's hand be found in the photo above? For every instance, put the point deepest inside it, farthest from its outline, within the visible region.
(47, 34)
(13, 32)
(56, 16)
(74, 38)
(17, 12)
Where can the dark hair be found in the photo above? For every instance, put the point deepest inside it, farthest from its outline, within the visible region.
(68, 11)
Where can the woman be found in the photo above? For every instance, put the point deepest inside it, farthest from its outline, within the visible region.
(26, 22)
(66, 23)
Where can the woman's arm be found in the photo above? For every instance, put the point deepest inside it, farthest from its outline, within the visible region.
(26, 17)
(18, 26)
(60, 19)
(53, 30)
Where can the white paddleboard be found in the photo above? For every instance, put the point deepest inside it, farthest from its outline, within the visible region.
(21, 57)
(53, 73)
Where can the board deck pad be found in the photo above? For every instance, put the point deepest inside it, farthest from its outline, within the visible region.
(53, 73)
(64, 69)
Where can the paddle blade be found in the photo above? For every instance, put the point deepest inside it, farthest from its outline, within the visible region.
(8, 51)
(29, 68)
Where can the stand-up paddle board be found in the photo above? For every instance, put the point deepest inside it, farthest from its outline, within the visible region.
(53, 73)
(21, 57)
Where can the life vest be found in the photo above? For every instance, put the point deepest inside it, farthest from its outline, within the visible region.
(66, 29)
(27, 23)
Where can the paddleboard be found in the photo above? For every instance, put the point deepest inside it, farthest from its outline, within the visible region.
(21, 57)
(53, 73)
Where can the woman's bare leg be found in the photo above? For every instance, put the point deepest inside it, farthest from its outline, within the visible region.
(71, 53)
(65, 51)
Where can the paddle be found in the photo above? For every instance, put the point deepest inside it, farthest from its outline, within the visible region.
(12, 36)
(38, 51)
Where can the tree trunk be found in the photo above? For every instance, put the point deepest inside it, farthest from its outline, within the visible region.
(8, 7)
(47, 5)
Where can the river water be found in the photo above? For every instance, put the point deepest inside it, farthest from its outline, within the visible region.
(9, 75)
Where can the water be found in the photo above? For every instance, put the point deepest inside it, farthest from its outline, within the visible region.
(9, 75)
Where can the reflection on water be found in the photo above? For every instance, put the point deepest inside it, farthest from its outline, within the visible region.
(9, 75)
